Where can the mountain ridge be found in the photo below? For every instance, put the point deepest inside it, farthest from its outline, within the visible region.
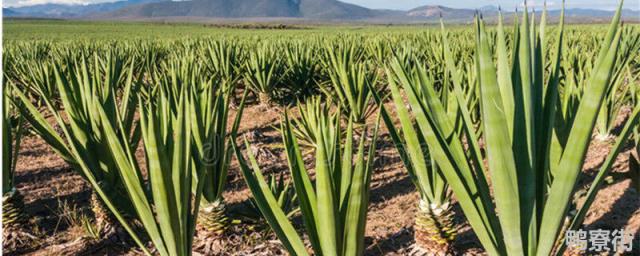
(319, 10)
(52, 10)
(310, 9)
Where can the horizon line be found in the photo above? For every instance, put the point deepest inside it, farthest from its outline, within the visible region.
(513, 9)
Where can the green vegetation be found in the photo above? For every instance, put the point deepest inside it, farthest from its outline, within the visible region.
(497, 121)
(15, 233)
(63, 30)
(533, 167)
(334, 209)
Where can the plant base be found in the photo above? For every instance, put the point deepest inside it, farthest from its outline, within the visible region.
(212, 224)
(105, 223)
(265, 100)
(15, 235)
(434, 228)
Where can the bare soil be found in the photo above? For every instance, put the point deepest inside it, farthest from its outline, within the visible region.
(48, 184)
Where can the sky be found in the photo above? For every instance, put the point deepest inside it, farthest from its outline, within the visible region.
(408, 4)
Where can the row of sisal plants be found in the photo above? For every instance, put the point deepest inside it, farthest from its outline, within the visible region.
(533, 151)
(497, 121)
(283, 69)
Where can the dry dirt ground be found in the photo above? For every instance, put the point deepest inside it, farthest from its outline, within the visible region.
(54, 193)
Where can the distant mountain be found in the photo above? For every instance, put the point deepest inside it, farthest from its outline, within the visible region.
(310, 9)
(332, 9)
(435, 11)
(489, 8)
(318, 10)
(6, 12)
(69, 10)
(490, 12)
(597, 13)
(201, 8)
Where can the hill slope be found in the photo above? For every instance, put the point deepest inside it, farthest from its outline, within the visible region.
(319, 10)
(69, 10)
(310, 9)
(6, 12)
(431, 12)
(210, 8)
(434, 11)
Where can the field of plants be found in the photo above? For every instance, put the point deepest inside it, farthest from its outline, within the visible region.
(173, 140)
